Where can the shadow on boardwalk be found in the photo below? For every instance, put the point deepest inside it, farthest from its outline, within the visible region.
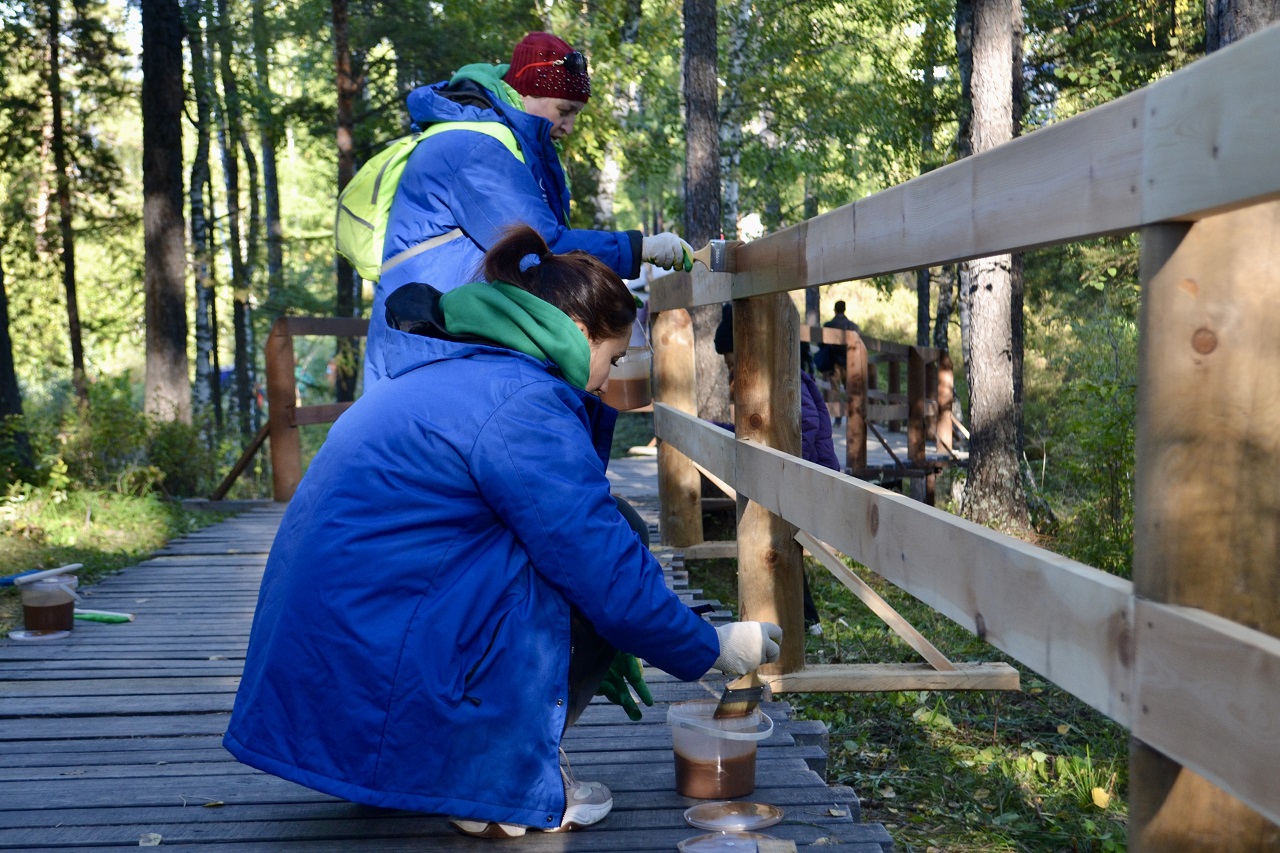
(114, 735)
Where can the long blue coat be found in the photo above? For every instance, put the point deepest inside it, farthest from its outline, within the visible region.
(469, 180)
(411, 643)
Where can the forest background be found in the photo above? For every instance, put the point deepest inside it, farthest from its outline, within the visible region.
(271, 105)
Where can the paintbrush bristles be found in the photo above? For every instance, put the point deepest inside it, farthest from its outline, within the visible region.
(715, 256)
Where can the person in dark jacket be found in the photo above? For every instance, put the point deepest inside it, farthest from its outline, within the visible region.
(411, 647)
(497, 163)
(816, 444)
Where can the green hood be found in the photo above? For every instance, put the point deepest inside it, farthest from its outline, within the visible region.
(490, 76)
(520, 321)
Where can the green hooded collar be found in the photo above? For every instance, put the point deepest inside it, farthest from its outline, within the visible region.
(518, 320)
(490, 76)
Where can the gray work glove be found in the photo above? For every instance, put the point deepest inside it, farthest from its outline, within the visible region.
(746, 646)
(668, 251)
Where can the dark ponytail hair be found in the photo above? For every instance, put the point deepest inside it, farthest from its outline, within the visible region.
(577, 283)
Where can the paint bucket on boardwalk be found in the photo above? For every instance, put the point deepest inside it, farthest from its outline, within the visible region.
(49, 604)
(715, 759)
(629, 386)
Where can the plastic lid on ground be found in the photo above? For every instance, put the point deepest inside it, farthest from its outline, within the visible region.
(732, 816)
(36, 636)
(724, 842)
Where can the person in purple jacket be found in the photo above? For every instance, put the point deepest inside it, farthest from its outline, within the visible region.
(816, 444)
(493, 160)
(414, 643)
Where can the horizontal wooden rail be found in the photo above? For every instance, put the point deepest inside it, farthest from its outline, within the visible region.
(1192, 144)
(1197, 687)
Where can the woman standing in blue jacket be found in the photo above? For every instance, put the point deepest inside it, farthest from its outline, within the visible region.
(495, 162)
(411, 646)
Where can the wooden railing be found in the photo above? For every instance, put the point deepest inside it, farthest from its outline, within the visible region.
(1191, 162)
(284, 415)
(925, 407)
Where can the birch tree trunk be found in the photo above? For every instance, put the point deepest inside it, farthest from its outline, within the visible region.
(268, 137)
(205, 391)
(167, 392)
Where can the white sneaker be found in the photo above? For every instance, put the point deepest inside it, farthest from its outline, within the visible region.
(585, 803)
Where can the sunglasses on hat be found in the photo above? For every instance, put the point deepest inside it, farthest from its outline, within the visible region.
(574, 63)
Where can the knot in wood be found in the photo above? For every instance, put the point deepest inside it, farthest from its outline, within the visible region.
(756, 421)
(1204, 341)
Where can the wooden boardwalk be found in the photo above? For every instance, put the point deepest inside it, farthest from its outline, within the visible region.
(113, 737)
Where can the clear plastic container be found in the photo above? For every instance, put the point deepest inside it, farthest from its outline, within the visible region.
(49, 604)
(715, 759)
(629, 385)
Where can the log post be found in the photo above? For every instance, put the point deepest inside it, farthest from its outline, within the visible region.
(895, 388)
(766, 390)
(1207, 506)
(946, 399)
(679, 483)
(917, 426)
(282, 399)
(855, 375)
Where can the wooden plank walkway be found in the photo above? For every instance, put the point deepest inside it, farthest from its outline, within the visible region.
(113, 736)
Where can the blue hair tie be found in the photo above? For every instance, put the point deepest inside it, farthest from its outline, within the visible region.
(529, 260)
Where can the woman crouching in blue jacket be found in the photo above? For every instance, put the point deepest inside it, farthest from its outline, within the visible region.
(412, 647)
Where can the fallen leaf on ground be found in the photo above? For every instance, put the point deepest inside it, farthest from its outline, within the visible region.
(1101, 798)
(149, 839)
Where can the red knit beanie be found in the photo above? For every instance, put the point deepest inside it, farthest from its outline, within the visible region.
(538, 70)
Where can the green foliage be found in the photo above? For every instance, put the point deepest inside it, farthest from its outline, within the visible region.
(110, 445)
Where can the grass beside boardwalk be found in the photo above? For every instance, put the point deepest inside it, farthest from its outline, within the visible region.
(105, 531)
(1035, 771)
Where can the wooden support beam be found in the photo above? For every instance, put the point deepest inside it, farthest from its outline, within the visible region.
(875, 603)
(889, 677)
(679, 484)
(1207, 503)
(282, 394)
(766, 403)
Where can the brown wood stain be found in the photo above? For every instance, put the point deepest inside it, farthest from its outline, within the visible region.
(716, 779)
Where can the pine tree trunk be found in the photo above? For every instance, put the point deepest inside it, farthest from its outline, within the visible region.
(702, 187)
(17, 445)
(167, 393)
(994, 493)
(62, 191)
(731, 127)
(204, 392)
(346, 358)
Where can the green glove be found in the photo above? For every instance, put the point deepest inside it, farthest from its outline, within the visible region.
(625, 670)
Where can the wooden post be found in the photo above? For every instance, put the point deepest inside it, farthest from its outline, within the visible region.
(282, 399)
(855, 372)
(946, 399)
(895, 388)
(1207, 503)
(679, 483)
(766, 390)
(917, 428)
(931, 396)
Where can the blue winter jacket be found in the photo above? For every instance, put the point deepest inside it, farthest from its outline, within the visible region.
(468, 180)
(410, 648)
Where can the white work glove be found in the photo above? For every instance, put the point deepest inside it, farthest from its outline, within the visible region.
(668, 251)
(746, 646)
